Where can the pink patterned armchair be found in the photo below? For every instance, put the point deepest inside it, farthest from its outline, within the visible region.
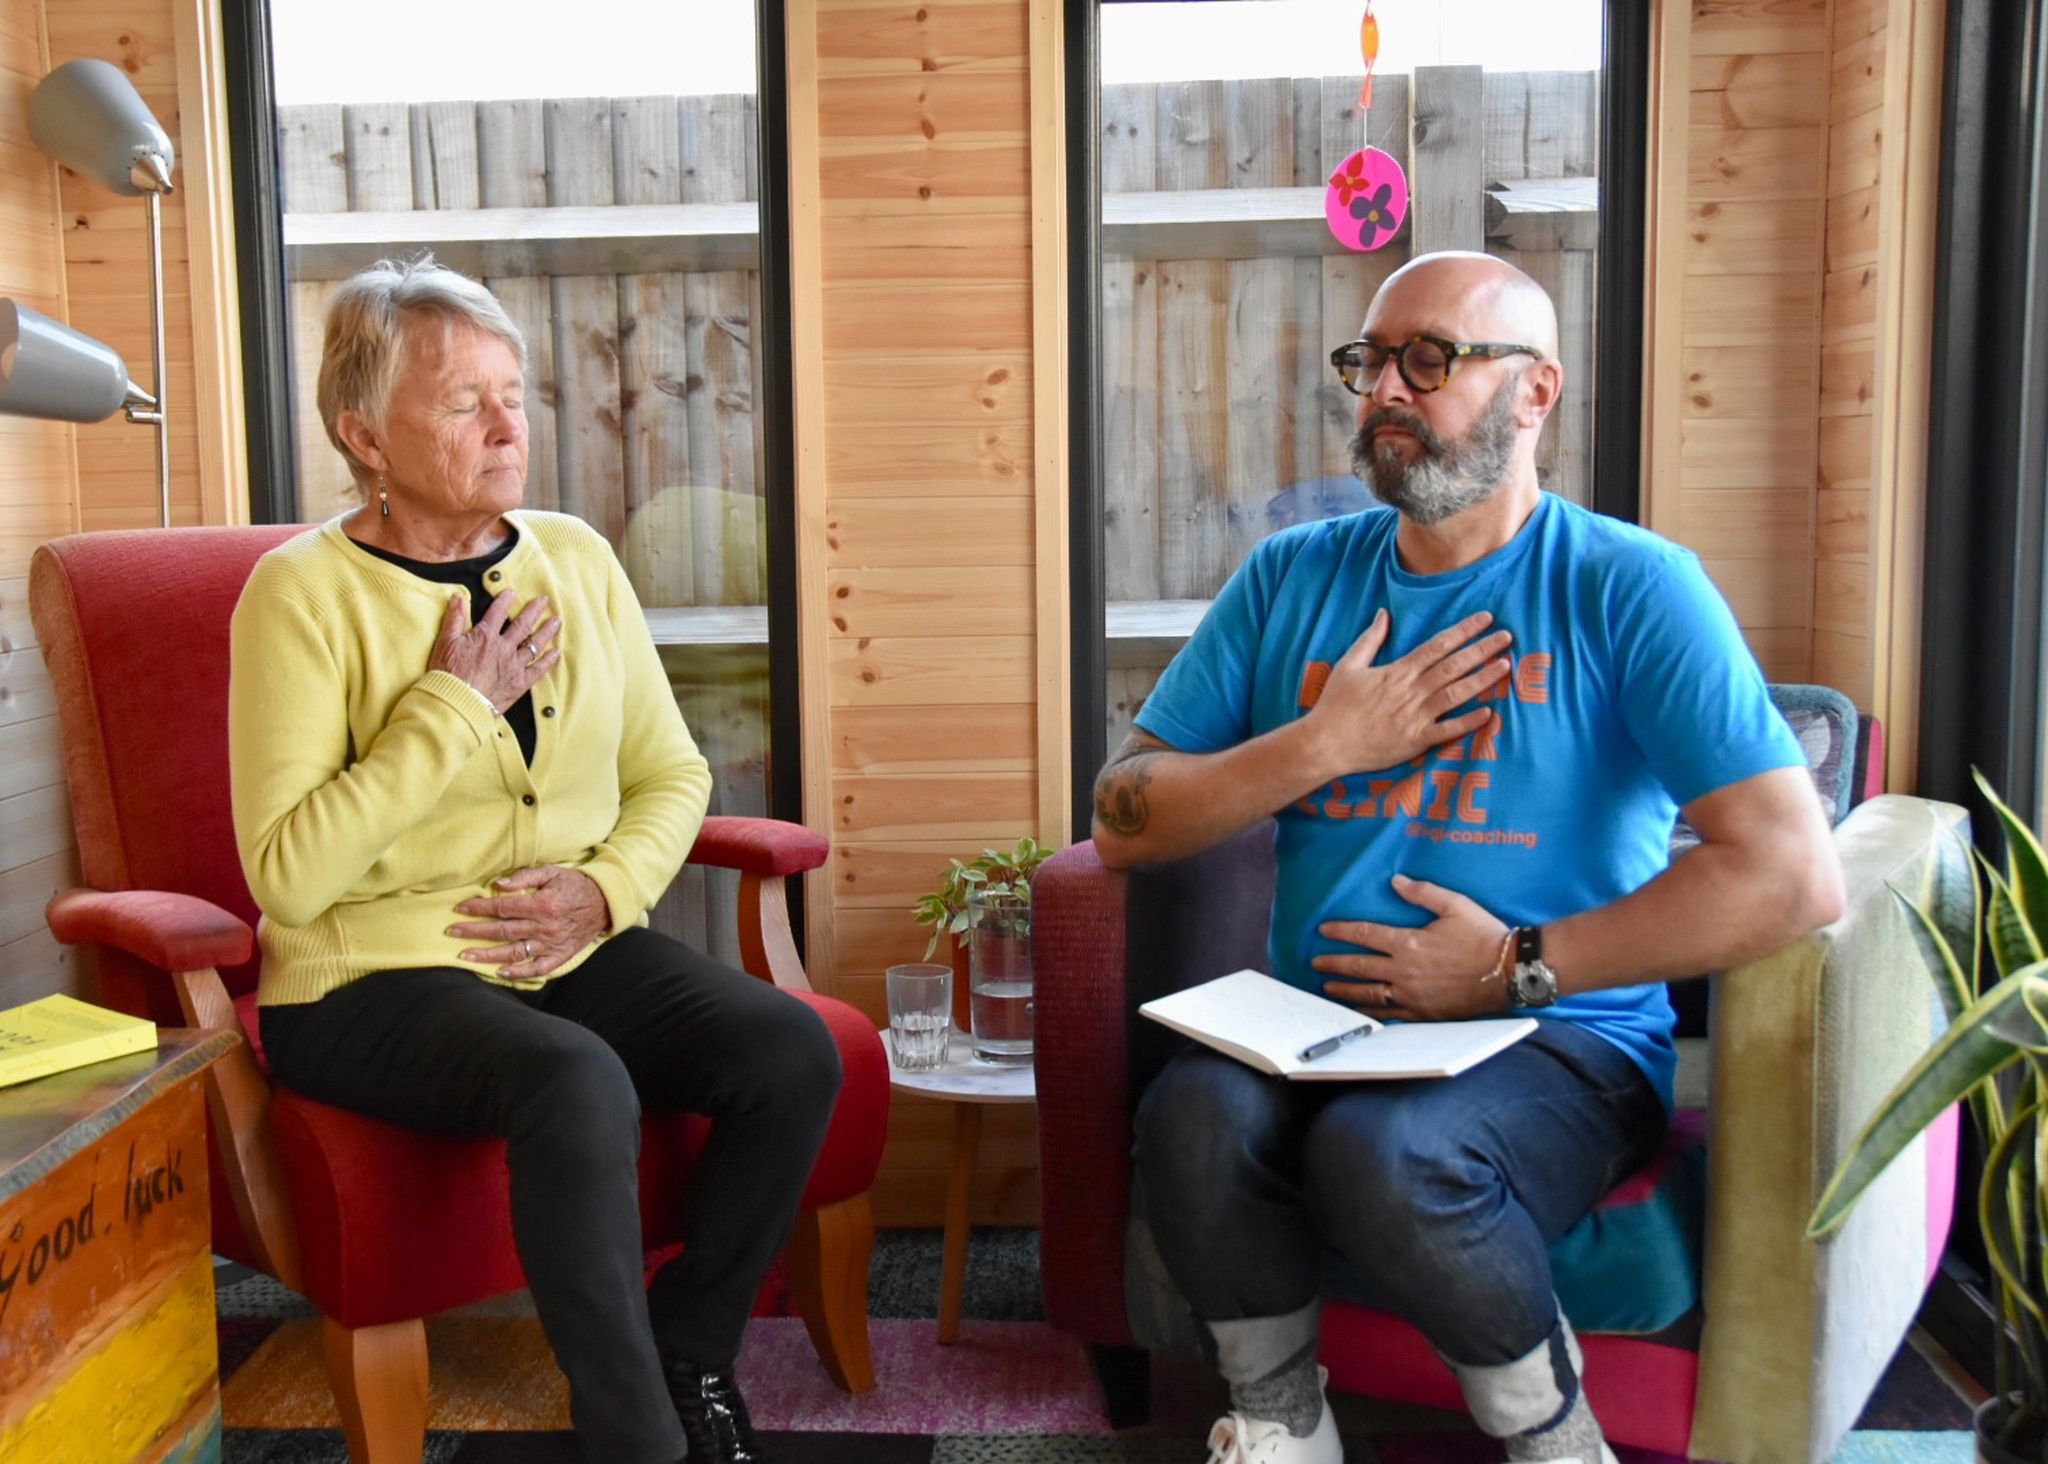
(1712, 1326)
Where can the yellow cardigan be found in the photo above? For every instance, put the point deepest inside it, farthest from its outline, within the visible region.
(372, 796)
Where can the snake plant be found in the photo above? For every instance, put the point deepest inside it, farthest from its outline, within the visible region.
(1994, 1057)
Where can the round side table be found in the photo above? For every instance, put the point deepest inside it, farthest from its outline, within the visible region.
(966, 1082)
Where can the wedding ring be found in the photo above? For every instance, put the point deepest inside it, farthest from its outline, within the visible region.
(529, 949)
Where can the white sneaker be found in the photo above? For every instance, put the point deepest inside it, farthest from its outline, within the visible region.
(1236, 1439)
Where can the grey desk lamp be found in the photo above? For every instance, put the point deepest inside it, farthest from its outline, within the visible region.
(87, 115)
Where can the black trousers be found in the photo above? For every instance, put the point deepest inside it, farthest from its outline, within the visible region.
(561, 1074)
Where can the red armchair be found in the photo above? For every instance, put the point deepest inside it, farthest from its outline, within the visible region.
(1784, 1337)
(376, 1225)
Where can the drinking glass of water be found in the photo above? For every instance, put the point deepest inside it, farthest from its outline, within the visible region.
(920, 1015)
(999, 958)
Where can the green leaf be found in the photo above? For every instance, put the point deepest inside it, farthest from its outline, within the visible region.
(2025, 863)
(1957, 991)
(2013, 943)
(1968, 1053)
(2002, 1206)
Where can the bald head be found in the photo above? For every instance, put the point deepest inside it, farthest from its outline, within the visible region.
(1467, 297)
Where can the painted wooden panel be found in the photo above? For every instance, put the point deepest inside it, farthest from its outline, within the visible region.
(106, 1295)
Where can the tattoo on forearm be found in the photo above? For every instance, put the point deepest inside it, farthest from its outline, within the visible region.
(1120, 803)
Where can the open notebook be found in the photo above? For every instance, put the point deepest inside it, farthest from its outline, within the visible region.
(1270, 1025)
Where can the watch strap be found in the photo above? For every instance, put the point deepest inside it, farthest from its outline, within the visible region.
(1528, 944)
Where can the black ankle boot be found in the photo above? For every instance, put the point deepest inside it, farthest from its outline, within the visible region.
(714, 1415)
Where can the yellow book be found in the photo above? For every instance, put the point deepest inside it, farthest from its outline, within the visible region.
(61, 1032)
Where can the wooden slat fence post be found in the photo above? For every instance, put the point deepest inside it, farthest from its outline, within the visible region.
(512, 172)
(1447, 132)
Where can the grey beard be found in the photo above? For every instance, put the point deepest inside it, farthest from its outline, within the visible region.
(1445, 479)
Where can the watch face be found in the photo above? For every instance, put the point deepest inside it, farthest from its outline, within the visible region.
(1534, 985)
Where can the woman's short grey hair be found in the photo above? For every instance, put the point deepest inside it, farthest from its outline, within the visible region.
(367, 324)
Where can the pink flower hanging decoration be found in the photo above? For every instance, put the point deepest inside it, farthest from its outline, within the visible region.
(1367, 200)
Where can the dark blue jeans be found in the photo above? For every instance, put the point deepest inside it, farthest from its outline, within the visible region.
(1438, 1197)
(561, 1073)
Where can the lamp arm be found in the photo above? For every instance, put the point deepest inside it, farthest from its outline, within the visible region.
(155, 413)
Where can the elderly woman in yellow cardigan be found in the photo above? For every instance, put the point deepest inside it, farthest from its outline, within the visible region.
(460, 782)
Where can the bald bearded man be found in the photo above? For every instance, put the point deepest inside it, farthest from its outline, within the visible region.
(1475, 712)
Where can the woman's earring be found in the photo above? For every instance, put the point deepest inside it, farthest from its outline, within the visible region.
(383, 499)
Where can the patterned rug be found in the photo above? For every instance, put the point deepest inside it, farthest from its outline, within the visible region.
(1011, 1391)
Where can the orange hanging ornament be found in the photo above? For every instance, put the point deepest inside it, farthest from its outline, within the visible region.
(1369, 44)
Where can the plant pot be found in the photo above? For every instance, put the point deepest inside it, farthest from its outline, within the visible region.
(1989, 1419)
(963, 978)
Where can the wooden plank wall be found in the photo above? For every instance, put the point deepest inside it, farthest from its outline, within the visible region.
(1884, 154)
(1848, 342)
(38, 501)
(79, 253)
(1736, 282)
(911, 172)
(106, 263)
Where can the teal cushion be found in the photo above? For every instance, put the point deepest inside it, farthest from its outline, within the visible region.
(1633, 1264)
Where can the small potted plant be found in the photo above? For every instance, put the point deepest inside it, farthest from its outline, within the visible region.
(1995, 1056)
(946, 911)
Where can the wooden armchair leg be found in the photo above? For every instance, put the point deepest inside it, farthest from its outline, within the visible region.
(828, 1264)
(379, 1377)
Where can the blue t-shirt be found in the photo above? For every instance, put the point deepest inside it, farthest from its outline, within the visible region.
(1632, 694)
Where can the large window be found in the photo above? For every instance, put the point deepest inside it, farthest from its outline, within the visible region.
(597, 167)
(1223, 288)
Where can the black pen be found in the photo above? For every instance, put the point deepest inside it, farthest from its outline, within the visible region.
(1330, 1044)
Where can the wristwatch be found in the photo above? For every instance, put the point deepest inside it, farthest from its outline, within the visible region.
(1531, 983)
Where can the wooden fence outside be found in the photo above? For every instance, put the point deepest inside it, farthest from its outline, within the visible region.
(1222, 419)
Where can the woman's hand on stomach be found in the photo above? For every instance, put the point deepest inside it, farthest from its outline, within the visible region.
(502, 656)
(541, 917)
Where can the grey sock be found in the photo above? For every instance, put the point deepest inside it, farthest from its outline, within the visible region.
(1576, 1435)
(1291, 1394)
